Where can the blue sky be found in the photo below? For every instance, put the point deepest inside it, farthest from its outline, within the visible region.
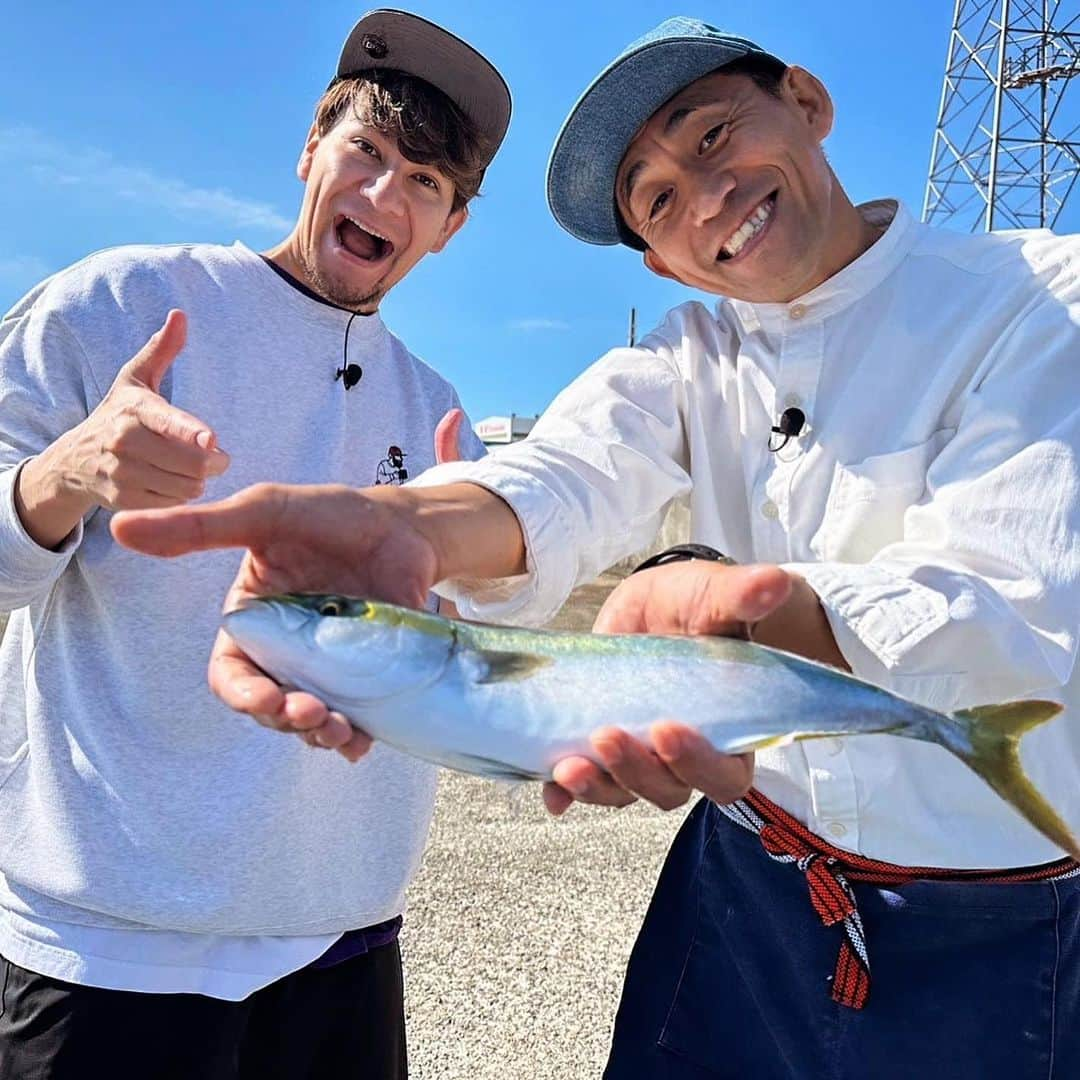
(135, 123)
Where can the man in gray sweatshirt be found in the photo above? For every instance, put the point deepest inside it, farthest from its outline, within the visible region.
(183, 894)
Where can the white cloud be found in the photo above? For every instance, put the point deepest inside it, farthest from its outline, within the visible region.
(50, 161)
(537, 324)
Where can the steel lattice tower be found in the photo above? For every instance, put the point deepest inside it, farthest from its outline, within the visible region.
(1005, 153)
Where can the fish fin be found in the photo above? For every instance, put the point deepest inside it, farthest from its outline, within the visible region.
(764, 742)
(494, 666)
(993, 734)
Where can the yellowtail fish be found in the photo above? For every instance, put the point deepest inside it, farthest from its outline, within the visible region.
(510, 703)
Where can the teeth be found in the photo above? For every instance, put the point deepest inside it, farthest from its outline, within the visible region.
(750, 227)
(367, 229)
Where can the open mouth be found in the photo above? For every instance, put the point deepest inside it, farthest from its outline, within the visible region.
(744, 237)
(361, 241)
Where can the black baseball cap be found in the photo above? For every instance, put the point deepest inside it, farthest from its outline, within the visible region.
(387, 38)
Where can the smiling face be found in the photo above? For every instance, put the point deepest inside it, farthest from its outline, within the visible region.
(728, 186)
(369, 215)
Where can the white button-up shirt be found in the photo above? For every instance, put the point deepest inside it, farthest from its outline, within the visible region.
(932, 500)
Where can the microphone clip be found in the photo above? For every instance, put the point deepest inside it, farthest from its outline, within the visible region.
(350, 374)
(792, 421)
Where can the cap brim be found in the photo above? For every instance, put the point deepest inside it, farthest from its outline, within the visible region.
(420, 48)
(593, 141)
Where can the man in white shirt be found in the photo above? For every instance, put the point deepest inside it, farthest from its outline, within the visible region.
(181, 895)
(881, 418)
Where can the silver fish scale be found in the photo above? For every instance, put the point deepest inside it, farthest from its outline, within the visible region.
(525, 724)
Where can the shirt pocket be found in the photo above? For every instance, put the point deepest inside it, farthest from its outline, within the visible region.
(868, 499)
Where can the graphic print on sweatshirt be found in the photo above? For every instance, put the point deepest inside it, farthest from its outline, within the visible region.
(392, 468)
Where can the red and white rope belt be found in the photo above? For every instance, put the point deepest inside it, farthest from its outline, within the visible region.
(830, 870)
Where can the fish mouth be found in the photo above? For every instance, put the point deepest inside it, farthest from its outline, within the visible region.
(361, 240)
(749, 232)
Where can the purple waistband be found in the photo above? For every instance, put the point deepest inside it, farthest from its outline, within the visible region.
(357, 942)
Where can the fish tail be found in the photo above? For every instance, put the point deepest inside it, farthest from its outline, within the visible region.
(989, 743)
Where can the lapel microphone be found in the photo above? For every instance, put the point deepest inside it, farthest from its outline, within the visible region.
(350, 374)
(791, 423)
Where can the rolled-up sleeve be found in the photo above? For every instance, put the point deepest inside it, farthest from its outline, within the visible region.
(588, 486)
(979, 601)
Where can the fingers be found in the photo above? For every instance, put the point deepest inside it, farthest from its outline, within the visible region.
(586, 782)
(240, 684)
(356, 747)
(246, 519)
(157, 415)
(244, 687)
(635, 768)
(139, 470)
(171, 455)
(447, 432)
(758, 590)
(141, 478)
(689, 756)
(625, 610)
(330, 731)
(693, 597)
(681, 761)
(148, 366)
(557, 799)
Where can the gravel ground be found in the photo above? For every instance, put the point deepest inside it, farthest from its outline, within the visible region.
(519, 925)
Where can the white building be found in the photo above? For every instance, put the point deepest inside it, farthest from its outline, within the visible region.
(500, 430)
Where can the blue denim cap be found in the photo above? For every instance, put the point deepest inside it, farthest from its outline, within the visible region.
(592, 142)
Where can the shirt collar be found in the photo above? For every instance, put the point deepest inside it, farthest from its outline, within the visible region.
(304, 301)
(851, 283)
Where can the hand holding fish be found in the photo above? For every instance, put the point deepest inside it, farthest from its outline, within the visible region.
(297, 538)
(134, 450)
(691, 598)
(507, 703)
(380, 542)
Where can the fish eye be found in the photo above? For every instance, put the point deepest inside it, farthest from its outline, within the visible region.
(331, 608)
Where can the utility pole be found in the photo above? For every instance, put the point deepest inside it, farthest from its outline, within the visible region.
(1006, 151)
(632, 337)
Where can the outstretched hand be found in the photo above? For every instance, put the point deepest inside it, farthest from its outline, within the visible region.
(693, 597)
(299, 539)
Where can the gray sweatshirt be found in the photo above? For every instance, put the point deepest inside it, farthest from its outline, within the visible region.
(129, 796)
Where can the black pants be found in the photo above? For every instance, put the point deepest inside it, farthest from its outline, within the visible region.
(336, 1023)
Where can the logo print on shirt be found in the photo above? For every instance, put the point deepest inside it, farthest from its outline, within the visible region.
(392, 469)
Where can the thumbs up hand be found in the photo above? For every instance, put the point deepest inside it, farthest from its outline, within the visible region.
(134, 451)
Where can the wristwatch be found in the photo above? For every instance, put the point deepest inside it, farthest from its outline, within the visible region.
(683, 553)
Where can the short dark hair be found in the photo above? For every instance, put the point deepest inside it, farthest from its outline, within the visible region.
(766, 72)
(426, 125)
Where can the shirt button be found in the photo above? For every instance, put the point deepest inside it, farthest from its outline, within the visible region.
(797, 311)
(769, 510)
(836, 829)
